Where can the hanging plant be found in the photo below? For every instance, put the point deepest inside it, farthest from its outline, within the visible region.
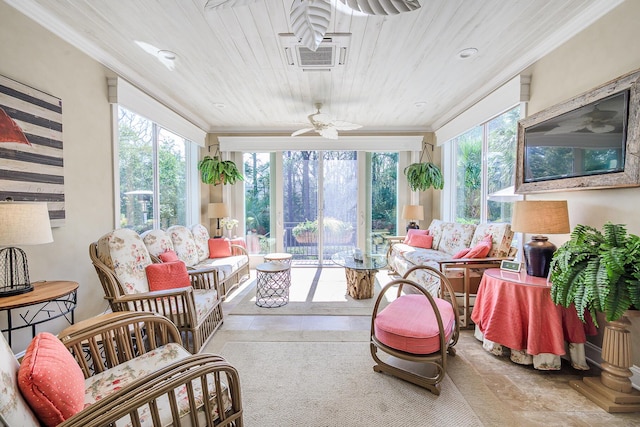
(215, 171)
(421, 176)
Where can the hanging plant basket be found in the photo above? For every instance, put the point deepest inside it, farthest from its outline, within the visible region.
(215, 171)
(421, 176)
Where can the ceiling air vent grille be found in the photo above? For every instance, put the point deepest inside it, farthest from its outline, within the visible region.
(322, 57)
(330, 55)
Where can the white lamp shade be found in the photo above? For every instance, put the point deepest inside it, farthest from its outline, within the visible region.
(24, 223)
(218, 210)
(413, 212)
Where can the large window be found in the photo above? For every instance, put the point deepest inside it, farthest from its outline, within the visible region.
(153, 165)
(484, 164)
(257, 202)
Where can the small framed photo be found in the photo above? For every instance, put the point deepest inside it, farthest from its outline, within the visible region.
(510, 266)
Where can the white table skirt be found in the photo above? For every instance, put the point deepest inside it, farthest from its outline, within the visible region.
(542, 361)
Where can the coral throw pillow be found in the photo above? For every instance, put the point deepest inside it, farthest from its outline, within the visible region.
(219, 248)
(168, 256)
(167, 275)
(422, 241)
(413, 232)
(461, 253)
(482, 249)
(50, 380)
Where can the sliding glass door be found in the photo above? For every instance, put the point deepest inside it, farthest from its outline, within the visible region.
(319, 203)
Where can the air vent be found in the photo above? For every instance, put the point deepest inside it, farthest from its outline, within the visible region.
(331, 53)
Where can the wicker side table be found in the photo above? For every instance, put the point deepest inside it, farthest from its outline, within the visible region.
(274, 280)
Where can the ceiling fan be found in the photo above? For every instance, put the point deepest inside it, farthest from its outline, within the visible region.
(310, 18)
(325, 125)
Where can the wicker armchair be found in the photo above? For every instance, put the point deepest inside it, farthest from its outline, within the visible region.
(135, 374)
(120, 259)
(413, 335)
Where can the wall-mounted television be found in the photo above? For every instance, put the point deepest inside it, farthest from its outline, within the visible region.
(590, 141)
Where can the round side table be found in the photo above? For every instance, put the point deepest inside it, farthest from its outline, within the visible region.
(274, 280)
(282, 257)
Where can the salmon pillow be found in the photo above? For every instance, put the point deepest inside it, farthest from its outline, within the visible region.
(413, 232)
(51, 380)
(422, 241)
(167, 275)
(219, 248)
(482, 249)
(461, 253)
(168, 256)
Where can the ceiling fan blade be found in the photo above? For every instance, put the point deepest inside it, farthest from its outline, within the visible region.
(301, 131)
(224, 4)
(382, 7)
(329, 132)
(342, 125)
(310, 21)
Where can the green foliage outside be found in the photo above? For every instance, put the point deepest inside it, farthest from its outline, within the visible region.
(136, 165)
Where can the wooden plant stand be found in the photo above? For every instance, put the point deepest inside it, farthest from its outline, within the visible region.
(613, 391)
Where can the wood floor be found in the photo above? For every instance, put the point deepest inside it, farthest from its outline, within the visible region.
(526, 397)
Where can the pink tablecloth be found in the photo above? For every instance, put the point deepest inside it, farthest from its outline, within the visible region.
(516, 310)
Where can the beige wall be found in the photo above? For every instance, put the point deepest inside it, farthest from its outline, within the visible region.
(33, 56)
(601, 53)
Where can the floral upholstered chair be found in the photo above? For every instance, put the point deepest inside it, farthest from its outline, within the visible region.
(132, 282)
(108, 370)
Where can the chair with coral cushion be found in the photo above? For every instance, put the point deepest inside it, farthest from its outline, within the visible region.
(132, 282)
(413, 335)
(120, 368)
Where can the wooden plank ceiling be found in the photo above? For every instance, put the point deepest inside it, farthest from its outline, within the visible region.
(235, 58)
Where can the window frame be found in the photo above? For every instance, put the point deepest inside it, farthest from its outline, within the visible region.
(450, 160)
(192, 210)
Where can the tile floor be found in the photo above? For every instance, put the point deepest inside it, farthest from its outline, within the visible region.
(530, 397)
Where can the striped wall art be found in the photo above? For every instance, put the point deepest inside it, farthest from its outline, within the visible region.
(35, 172)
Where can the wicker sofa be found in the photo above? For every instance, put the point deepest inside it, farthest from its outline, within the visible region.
(117, 369)
(192, 246)
(464, 273)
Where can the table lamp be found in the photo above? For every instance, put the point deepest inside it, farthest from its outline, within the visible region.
(413, 213)
(218, 210)
(540, 216)
(21, 223)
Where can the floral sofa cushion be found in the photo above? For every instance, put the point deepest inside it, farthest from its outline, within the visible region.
(14, 410)
(184, 244)
(501, 237)
(201, 238)
(104, 383)
(124, 251)
(157, 241)
(455, 237)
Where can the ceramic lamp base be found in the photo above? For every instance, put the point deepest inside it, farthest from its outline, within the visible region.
(412, 225)
(537, 255)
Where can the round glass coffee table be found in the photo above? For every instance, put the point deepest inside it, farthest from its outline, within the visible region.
(361, 275)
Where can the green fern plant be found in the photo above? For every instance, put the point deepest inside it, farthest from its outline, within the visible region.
(215, 171)
(598, 271)
(421, 176)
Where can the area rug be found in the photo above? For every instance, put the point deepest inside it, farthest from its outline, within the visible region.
(313, 291)
(319, 384)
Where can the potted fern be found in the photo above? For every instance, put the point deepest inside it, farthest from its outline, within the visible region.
(215, 171)
(598, 271)
(421, 176)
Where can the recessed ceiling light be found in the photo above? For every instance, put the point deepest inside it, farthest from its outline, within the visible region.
(420, 104)
(219, 105)
(167, 55)
(467, 53)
